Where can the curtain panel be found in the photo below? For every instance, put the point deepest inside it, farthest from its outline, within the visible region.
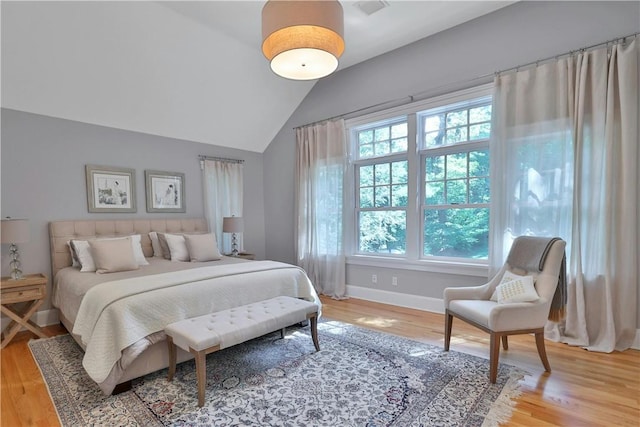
(564, 162)
(223, 192)
(321, 162)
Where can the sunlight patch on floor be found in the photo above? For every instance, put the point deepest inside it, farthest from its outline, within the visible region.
(378, 322)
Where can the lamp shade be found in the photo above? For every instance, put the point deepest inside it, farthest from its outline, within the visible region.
(232, 224)
(15, 231)
(303, 39)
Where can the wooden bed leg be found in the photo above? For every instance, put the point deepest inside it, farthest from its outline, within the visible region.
(121, 388)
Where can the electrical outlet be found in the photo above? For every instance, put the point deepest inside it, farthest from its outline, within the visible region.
(394, 281)
(374, 278)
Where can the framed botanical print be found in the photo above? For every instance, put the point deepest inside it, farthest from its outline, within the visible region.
(110, 189)
(165, 191)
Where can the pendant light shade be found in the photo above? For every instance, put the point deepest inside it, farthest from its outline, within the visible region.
(303, 39)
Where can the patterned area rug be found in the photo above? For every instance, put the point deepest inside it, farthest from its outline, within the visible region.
(359, 378)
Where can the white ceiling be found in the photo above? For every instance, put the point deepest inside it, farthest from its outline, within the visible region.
(191, 70)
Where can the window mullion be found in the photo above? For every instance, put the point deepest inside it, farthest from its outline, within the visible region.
(413, 190)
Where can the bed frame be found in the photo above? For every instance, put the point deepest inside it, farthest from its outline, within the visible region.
(155, 357)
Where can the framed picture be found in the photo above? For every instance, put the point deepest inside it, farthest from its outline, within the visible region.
(165, 191)
(110, 189)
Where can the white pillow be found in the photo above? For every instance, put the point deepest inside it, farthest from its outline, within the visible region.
(517, 290)
(85, 258)
(155, 244)
(177, 247)
(506, 277)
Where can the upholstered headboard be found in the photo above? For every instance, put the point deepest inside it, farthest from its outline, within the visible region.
(62, 231)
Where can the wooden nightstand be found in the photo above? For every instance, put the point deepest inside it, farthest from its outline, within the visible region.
(32, 287)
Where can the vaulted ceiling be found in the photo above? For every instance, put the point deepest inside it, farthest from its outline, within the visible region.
(186, 70)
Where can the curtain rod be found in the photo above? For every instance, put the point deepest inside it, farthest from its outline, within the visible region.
(458, 85)
(220, 159)
(571, 52)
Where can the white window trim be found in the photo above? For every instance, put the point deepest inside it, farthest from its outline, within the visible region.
(475, 269)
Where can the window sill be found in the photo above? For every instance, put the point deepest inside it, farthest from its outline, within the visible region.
(447, 267)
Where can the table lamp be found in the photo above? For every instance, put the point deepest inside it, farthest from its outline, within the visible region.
(233, 224)
(14, 231)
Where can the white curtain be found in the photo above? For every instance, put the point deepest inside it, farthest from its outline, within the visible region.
(223, 191)
(320, 167)
(564, 160)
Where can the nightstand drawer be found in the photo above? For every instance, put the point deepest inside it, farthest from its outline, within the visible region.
(23, 294)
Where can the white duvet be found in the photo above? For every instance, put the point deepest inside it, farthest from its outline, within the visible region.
(114, 315)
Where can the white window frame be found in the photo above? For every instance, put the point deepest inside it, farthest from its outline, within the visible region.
(442, 150)
(412, 259)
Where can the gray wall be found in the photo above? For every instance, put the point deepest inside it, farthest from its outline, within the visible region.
(43, 177)
(451, 60)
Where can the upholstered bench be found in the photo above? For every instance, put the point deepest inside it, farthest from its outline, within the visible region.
(212, 332)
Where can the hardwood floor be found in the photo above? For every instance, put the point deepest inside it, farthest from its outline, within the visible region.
(584, 388)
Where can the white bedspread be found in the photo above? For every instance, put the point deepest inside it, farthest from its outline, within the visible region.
(115, 315)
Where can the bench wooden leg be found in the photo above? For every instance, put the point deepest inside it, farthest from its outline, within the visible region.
(314, 330)
(282, 332)
(201, 373)
(172, 358)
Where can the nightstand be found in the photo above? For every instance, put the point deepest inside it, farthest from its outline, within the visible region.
(31, 288)
(243, 255)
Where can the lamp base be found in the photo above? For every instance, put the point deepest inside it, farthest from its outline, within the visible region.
(234, 245)
(16, 273)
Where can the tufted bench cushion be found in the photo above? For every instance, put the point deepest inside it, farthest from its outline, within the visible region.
(212, 332)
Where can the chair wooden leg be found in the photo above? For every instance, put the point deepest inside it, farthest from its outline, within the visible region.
(172, 358)
(448, 323)
(494, 355)
(505, 343)
(542, 351)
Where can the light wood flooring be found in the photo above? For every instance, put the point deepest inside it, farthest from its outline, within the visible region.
(584, 388)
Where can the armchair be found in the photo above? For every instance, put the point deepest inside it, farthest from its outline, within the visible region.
(540, 257)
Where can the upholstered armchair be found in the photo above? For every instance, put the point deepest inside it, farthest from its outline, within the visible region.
(507, 304)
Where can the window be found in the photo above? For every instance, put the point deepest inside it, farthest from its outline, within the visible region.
(455, 164)
(382, 188)
(421, 180)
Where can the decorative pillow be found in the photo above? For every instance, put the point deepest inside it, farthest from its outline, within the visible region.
(155, 244)
(517, 290)
(202, 247)
(113, 255)
(85, 257)
(506, 277)
(164, 247)
(177, 247)
(74, 257)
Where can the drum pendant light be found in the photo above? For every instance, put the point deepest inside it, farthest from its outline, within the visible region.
(302, 39)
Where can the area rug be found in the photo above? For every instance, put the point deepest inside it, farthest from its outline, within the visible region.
(359, 378)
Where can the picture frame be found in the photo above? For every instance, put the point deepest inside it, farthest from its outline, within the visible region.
(165, 191)
(110, 189)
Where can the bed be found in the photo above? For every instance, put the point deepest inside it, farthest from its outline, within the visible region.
(118, 318)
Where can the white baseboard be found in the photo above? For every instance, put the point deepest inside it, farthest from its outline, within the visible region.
(41, 318)
(435, 305)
